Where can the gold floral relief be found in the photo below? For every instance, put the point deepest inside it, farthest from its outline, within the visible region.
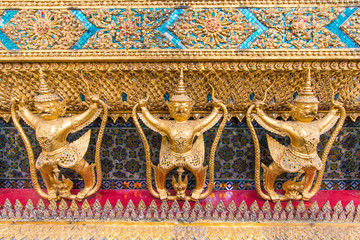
(127, 28)
(299, 28)
(213, 28)
(44, 29)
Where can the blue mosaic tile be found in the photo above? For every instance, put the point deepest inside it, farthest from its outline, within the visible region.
(260, 28)
(164, 28)
(5, 40)
(91, 29)
(335, 27)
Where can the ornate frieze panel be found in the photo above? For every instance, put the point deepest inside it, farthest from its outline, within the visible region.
(161, 3)
(178, 30)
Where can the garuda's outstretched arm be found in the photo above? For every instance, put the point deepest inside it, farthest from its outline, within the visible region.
(151, 121)
(270, 123)
(82, 120)
(27, 115)
(327, 122)
(209, 121)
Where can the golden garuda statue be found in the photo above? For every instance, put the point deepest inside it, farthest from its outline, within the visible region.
(51, 130)
(182, 145)
(300, 156)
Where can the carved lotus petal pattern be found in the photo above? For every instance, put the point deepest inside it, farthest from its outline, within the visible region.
(352, 27)
(44, 29)
(297, 28)
(216, 28)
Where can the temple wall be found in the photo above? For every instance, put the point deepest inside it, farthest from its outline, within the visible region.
(126, 50)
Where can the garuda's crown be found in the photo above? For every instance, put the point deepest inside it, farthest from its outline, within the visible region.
(45, 94)
(180, 93)
(306, 94)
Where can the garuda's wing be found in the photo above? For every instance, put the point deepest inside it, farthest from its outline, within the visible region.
(276, 148)
(81, 144)
(197, 156)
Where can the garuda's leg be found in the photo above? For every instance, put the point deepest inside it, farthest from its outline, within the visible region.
(47, 175)
(200, 178)
(160, 180)
(86, 171)
(309, 179)
(270, 175)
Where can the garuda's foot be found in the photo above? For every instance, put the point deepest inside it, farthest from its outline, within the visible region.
(274, 196)
(196, 194)
(306, 195)
(163, 194)
(52, 195)
(82, 194)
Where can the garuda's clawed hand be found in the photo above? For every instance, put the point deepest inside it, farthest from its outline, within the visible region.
(20, 102)
(259, 105)
(338, 105)
(217, 102)
(143, 102)
(16, 98)
(94, 99)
